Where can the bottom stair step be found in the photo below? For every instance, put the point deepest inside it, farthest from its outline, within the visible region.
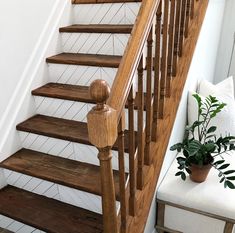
(5, 231)
(47, 214)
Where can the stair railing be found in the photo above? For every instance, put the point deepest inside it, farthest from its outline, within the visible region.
(161, 27)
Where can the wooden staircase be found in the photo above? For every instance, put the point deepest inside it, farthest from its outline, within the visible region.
(55, 182)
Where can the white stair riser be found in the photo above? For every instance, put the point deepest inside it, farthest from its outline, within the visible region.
(95, 43)
(62, 193)
(17, 227)
(70, 110)
(80, 75)
(107, 13)
(66, 149)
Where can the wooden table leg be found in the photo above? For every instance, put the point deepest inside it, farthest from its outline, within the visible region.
(228, 227)
(160, 215)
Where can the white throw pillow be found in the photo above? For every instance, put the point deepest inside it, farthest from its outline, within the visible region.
(224, 92)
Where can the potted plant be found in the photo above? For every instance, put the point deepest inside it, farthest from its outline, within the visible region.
(201, 149)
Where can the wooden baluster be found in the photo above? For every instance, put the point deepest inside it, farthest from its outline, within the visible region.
(164, 59)
(157, 71)
(122, 176)
(148, 128)
(170, 49)
(102, 120)
(132, 169)
(176, 38)
(140, 135)
(192, 9)
(182, 28)
(187, 18)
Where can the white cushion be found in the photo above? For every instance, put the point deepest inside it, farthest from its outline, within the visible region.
(210, 196)
(225, 89)
(224, 92)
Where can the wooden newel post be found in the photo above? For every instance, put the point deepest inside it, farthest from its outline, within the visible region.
(102, 130)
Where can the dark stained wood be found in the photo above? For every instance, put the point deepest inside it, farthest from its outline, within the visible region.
(102, 1)
(132, 168)
(122, 179)
(166, 229)
(210, 215)
(5, 230)
(164, 59)
(71, 92)
(140, 131)
(176, 38)
(158, 150)
(182, 28)
(70, 130)
(157, 72)
(170, 49)
(187, 18)
(47, 214)
(192, 9)
(160, 216)
(98, 28)
(64, 91)
(85, 59)
(228, 228)
(74, 174)
(148, 127)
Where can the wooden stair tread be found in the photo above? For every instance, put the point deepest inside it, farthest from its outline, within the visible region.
(5, 230)
(64, 91)
(98, 28)
(69, 92)
(47, 214)
(69, 130)
(102, 1)
(74, 174)
(86, 59)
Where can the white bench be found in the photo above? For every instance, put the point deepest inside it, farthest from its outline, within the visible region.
(208, 199)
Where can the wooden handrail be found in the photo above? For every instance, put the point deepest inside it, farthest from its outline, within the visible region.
(131, 115)
(130, 61)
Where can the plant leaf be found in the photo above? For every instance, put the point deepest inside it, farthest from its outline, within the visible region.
(178, 173)
(223, 166)
(183, 176)
(212, 129)
(222, 180)
(229, 184)
(229, 172)
(219, 162)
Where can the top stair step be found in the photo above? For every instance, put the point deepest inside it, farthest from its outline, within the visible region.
(47, 214)
(86, 59)
(98, 28)
(102, 1)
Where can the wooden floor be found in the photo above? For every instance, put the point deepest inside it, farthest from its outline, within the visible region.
(158, 150)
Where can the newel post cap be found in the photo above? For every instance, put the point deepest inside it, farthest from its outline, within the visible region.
(102, 120)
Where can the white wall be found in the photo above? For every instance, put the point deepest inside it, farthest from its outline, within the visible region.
(202, 67)
(22, 23)
(29, 33)
(226, 44)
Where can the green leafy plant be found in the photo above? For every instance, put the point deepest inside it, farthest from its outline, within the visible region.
(200, 145)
